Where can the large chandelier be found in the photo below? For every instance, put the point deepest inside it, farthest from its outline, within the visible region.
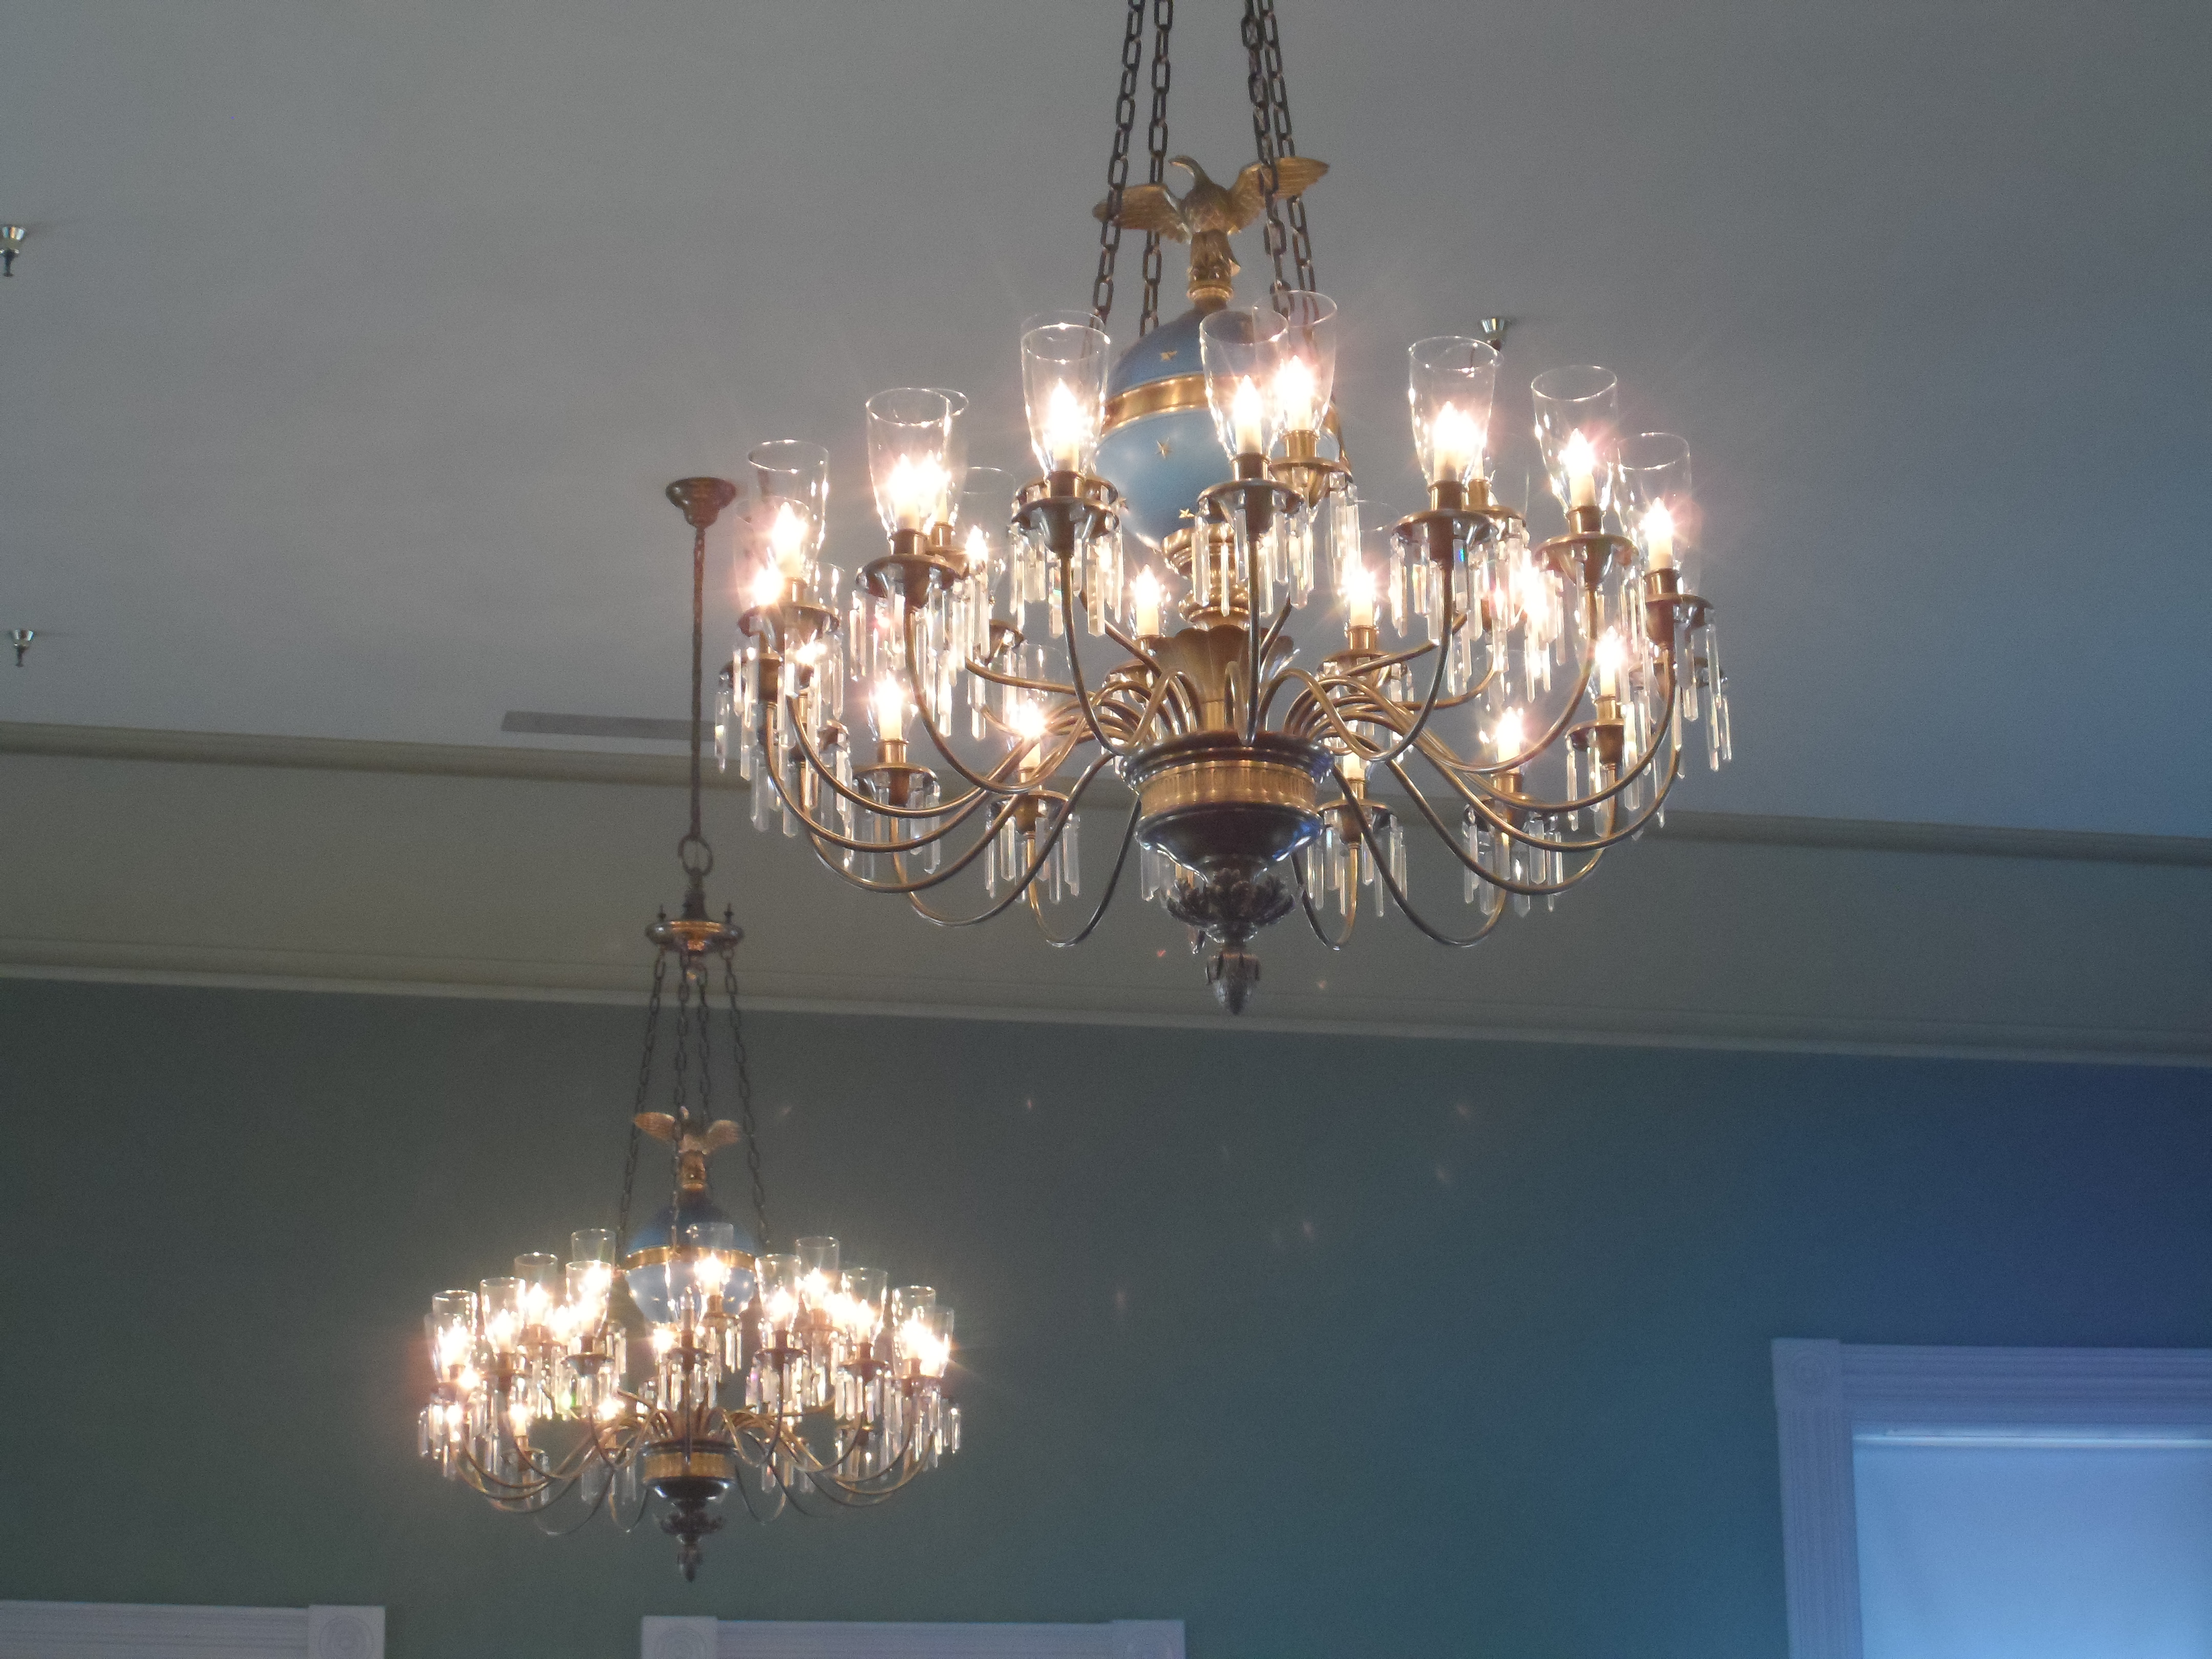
(677, 1365)
(1195, 595)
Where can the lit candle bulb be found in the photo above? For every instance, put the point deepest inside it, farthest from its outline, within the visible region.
(786, 539)
(916, 489)
(1505, 738)
(1609, 653)
(768, 585)
(1145, 604)
(1358, 595)
(1455, 445)
(978, 548)
(1029, 728)
(1245, 412)
(1580, 459)
(1066, 430)
(1297, 402)
(1659, 536)
(890, 711)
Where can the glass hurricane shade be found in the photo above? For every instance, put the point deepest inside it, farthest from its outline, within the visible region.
(1578, 420)
(910, 456)
(1307, 376)
(1242, 348)
(1451, 381)
(791, 506)
(1065, 357)
(1656, 503)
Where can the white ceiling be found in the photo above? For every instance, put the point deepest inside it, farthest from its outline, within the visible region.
(356, 337)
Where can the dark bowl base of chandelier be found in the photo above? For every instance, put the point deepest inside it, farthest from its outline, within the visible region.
(688, 1479)
(1229, 813)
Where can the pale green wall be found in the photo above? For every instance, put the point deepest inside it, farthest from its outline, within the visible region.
(1326, 1345)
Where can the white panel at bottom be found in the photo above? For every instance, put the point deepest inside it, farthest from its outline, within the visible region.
(708, 1638)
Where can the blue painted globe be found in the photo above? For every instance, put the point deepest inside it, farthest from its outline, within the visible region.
(648, 1285)
(1160, 461)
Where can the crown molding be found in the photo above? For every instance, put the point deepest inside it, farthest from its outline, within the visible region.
(123, 742)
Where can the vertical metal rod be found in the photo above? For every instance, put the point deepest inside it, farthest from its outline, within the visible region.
(698, 649)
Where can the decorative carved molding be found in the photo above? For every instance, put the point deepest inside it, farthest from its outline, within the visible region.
(708, 1638)
(108, 1630)
(1827, 1392)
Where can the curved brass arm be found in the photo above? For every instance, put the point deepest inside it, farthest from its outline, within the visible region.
(1122, 858)
(1582, 803)
(1529, 889)
(1044, 852)
(929, 725)
(1313, 916)
(882, 809)
(1452, 941)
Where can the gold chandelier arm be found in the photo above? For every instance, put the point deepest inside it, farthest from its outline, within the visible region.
(851, 844)
(818, 838)
(1612, 837)
(963, 805)
(1120, 860)
(1595, 850)
(983, 671)
(1451, 764)
(1075, 663)
(1003, 811)
(1157, 696)
(1043, 852)
(929, 723)
(1452, 941)
(1313, 915)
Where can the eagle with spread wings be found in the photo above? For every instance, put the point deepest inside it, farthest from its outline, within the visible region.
(1206, 214)
(1206, 205)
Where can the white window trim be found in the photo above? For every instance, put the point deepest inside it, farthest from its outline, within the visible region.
(1827, 1392)
(114, 1630)
(733, 1638)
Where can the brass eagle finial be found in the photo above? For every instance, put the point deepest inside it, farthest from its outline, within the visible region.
(1206, 215)
(693, 1143)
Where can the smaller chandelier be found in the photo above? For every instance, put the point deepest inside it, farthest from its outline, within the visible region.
(679, 1363)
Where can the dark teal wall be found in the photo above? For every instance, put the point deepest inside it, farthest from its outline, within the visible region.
(1326, 1346)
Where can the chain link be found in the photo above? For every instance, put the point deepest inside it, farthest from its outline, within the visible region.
(1271, 47)
(644, 1093)
(745, 1122)
(1263, 137)
(680, 1060)
(1156, 139)
(1117, 167)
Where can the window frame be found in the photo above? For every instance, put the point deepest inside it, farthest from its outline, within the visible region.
(1827, 1392)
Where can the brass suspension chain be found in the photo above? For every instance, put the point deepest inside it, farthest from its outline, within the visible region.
(644, 1093)
(1278, 98)
(1156, 138)
(1263, 139)
(1117, 167)
(745, 1120)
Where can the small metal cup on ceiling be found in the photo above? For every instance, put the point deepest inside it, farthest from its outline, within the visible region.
(11, 244)
(1493, 332)
(702, 500)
